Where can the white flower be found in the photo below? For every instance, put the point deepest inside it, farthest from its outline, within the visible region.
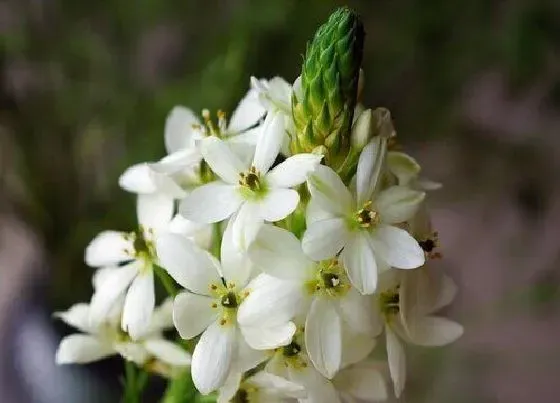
(362, 226)
(262, 387)
(180, 169)
(406, 171)
(134, 255)
(106, 339)
(406, 303)
(215, 291)
(292, 362)
(363, 381)
(249, 192)
(295, 285)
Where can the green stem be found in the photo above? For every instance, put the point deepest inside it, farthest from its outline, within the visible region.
(216, 240)
(166, 281)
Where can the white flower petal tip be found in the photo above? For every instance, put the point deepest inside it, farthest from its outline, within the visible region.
(81, 349)
(268, 338)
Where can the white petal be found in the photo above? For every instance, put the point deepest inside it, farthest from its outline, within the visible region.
(77, 316)
(236, 266)
(433, 331)
(154, 211)
(355, 310)
(108, 248)
(138, 179)
(268, 338)
(319, 389)
(314, 213)
(359, 261)
(324, 239)
(139, 305)
(397, 361)
(293, 171)
(247, 113)
(370, 164)
(162, 317)
(182, 226)
(278, 204)
(212, 357)
(134, 352)
(192, 314)
(398, 204)
(323, 337)
(363, 381)
(245, 226)
(270, 141)
(329, 191)
(222, 160)
(447, 292)
(265, 380)
(229, 389)
(189, 265)
(81, 349)
(278, 253)
(179, 131)
(355, 347)
(247, 357)
(174, 163)
(403, 166)
(211, 203)
(271, 302)
(110, 289)
(397, 247)
(168, 352)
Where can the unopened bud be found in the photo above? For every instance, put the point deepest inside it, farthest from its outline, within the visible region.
(362, 130)
(383, 125)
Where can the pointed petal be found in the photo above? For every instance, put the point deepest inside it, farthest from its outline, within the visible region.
(293, 171)
(283, 387)
(398, 204)
(189, 265)
(397, 247)
(211, 203)
(363, 381)
(270, 141)
(356, 347)
(268, 338)
(278, 253)
(138, 179)
(270, 302)
(372, 160)
(192, 314)
(111, 287)
(168, 352)
(236, 266)
(278, 204)
(355, 311)
(403, 166)
(433, 331)
(360, 264)
(397, 361)
(324, 239)
(139, 305)
(77, 316)
(154, 211)
(222, 160)
(246, 225)
(247, 113)
(179, 131)
(108, 248)
(447, 293)
(212, 357)
(81, 349)
(329, 191)
(323, 337)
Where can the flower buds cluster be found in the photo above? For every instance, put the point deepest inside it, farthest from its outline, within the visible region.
(285, 264)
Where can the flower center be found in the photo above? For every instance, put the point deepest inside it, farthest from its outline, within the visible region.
(330, 279)
(291, 350)
(142, 244)
(229, 300)
(429, 246)
(389, 302)
(251, 180)
(366, 216)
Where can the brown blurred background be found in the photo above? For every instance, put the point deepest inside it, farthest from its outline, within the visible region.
(474, 88)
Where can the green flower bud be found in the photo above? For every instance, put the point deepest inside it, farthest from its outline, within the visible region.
(324, 109)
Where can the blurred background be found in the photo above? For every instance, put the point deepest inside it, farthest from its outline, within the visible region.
(474, 88)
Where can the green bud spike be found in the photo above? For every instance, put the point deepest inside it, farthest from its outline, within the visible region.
(329, 80)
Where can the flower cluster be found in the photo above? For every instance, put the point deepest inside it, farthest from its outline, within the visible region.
(294, 253)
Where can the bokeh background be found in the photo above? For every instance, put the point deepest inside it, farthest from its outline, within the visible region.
(474, 88)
